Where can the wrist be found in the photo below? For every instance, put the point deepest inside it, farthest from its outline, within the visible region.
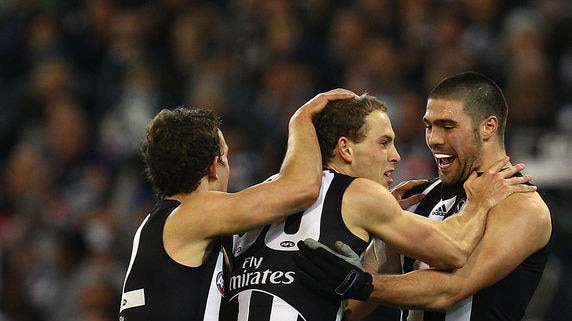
(479, 201)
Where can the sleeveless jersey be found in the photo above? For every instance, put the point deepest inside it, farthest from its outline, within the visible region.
(157, 288)
(263, 284)
(505, 300)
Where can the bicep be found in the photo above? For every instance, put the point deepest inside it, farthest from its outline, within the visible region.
(413, 235)
(512, 234)
(375, 210)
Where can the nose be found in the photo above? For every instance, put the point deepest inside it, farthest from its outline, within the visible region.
(394, 156)
(433, 137)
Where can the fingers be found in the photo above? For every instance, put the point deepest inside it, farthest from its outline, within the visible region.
(498, 165)
(306, 248)
(511, 170)
(345, 250)
(311, 269)
(416, 182)
(318, 252)
(316, 104)
(523, 188)
(319, 101)
(339, 93)
(472, 177)
(311, 243)
(335, 94)
(399, 187)
(518, 184)
(413, 199)
(405, 186)
(311, 260)
(518, 179)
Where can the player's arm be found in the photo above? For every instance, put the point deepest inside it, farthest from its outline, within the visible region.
(516, 228)
(446, 244)
(296, 187)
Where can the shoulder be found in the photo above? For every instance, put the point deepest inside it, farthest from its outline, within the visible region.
(525, 211)
(200, 210)
(369, 197)
(530, 204)
(367, 188)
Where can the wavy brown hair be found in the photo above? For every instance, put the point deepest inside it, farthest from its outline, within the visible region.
(178, 148)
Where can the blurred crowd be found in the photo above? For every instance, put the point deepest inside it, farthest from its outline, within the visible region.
(80, 79)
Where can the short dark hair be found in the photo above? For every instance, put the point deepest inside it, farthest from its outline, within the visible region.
(346, 118)
(178, 148)
(480, 95)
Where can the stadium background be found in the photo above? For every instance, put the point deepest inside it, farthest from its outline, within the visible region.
(79, 80)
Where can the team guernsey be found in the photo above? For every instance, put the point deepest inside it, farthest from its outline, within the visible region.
(263, 285)
(157, 288)
(505, 300)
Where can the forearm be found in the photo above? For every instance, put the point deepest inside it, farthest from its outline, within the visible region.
(302, 166)
(441, 245)
(418, 290)
(448, 244)
(467, 226)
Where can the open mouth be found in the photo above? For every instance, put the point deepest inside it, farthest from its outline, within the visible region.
(444, 160)
(387, 176)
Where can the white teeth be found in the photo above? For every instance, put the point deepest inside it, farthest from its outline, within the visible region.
(442, 155)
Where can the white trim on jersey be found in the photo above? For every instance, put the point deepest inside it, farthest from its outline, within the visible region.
(132, 299)
(276, 239)
(281, 310)
(133, 295)
(215, 296)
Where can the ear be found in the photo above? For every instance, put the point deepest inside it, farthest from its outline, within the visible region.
(489, 127)
(211, 173)
(344, 149)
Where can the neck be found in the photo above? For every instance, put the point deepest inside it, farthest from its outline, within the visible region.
(490, 156)
(341, 169)
(203, 186)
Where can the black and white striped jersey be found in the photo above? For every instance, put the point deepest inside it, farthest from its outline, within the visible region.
(263, 284)
(505, 300)
(157, 288)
